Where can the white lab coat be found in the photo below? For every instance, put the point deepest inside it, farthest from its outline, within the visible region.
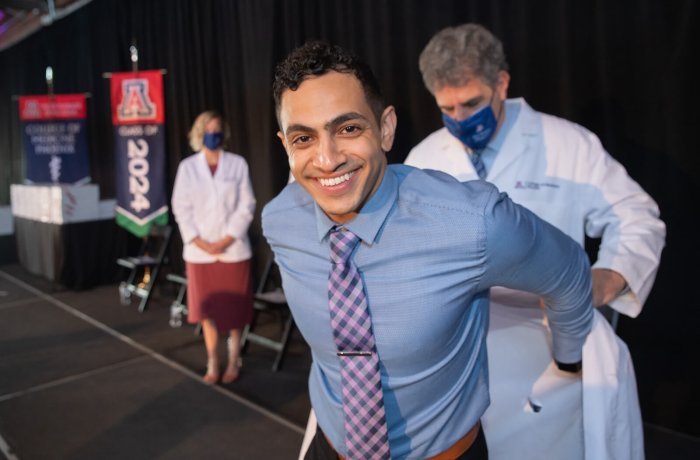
(212, 207)
(561, 172)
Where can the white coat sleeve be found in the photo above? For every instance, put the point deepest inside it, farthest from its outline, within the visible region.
(627, 220)
(239, 220)
(183, 205)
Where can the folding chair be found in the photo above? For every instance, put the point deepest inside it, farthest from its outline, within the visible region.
(146, 264)
(178, 308)
(269, 301)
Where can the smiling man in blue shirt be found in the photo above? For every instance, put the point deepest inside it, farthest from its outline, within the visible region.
(431, 247)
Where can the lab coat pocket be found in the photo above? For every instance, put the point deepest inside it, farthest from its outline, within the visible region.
(229, 193)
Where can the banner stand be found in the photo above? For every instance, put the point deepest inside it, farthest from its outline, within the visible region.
(54, 136)
(138, 116)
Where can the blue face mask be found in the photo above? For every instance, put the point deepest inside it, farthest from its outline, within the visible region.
(476, 131)
(213, 140)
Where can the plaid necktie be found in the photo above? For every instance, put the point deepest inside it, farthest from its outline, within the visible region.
(478, 163)
(363, 400)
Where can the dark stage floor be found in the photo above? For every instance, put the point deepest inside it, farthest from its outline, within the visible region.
(83, 377)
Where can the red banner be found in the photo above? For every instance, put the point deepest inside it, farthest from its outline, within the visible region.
(137, 97)
(57, 107)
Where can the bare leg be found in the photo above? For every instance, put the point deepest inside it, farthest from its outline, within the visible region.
(234, 350)
(211, 342)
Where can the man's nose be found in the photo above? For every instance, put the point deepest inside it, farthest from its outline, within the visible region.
(328, 157)
(460, 113)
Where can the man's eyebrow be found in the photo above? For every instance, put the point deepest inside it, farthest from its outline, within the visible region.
(329, 126)
(470, 101)
(298, 127)
(340, 119)
(473, 100)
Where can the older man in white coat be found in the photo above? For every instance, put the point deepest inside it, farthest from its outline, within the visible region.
(560, 171)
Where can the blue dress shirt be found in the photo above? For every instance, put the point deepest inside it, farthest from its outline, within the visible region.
(488, 155)
(431, 249)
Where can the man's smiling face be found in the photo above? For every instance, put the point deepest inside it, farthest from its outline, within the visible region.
(335, 144)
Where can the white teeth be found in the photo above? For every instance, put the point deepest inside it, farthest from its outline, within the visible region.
(335, 180)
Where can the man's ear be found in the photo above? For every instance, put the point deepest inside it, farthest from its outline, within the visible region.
(388, 127)
(503, 82)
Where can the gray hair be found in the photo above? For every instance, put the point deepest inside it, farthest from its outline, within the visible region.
(455, 55)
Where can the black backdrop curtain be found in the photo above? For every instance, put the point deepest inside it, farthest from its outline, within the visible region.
(622, 69)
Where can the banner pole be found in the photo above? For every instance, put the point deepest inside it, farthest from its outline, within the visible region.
(134, 57)
(49, 80)
(107, 75)
(134, 54)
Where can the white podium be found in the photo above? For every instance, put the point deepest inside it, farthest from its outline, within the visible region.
(63, 231)
(55, 204)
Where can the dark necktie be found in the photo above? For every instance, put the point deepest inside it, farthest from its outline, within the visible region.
(363, 400)
(478, 163)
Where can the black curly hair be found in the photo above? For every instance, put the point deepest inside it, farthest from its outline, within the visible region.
(316, 58)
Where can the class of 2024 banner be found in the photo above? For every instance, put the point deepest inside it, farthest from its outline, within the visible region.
(139, 144)
(55, 138)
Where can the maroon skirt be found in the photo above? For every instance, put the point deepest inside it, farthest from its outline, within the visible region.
(220, 291)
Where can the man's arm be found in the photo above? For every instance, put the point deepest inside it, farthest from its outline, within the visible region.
(526, 253)
(607, 286)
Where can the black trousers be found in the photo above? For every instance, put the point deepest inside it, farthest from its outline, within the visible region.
(320, 449)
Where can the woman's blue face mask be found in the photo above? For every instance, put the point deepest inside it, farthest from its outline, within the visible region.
(213, 140)
(476, 131)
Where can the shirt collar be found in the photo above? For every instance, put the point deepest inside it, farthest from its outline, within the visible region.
(511, 114)
(371, 217)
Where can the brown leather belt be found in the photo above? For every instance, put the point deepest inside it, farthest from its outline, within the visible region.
(457, 449)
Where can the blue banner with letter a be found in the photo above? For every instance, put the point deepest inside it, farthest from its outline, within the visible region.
(139, 144)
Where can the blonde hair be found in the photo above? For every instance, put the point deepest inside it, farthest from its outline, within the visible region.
(196, 134)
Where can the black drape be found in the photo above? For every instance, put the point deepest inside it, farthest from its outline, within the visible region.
(622, 69)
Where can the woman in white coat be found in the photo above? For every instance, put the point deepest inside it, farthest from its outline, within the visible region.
(213, 204)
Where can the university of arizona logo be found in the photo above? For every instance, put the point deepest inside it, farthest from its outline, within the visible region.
(135, 103)
(32, 110)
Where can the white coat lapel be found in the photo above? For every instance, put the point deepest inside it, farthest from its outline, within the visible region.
(518, 141)
(451, 155)
(205, 176)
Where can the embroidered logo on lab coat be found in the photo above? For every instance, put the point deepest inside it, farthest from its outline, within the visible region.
(520, 184)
